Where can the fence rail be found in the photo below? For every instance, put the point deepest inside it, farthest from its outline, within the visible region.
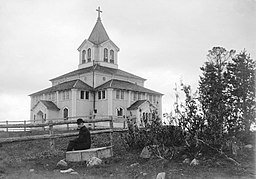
(51, 136)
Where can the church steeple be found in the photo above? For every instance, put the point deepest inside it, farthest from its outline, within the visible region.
(98, 34)
(98, 48)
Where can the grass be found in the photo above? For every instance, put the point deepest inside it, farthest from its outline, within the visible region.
(17, 160)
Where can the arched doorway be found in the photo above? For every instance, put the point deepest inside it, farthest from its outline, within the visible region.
(65, 113)
(40, 116)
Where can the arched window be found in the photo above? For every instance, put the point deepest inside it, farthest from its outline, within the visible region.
(65, 113)
(89, 55)
(112, 56)
(83, 56)
(119, 112)
(105, 55)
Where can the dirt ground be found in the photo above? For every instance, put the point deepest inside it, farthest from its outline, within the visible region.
(34, 160)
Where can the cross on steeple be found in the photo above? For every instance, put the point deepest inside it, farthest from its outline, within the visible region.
(99, 11)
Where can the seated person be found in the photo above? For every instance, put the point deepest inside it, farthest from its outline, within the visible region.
(84, 139)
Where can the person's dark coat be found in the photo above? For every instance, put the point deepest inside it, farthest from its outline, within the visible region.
(82, 142)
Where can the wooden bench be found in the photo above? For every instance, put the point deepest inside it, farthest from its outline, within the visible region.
(85, 155)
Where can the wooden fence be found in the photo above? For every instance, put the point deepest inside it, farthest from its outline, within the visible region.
(51, 135)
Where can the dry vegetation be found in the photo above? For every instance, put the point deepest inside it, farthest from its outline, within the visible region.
(17, 160)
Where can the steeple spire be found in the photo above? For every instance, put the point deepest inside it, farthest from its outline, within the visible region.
(98, 34)
(99, 11)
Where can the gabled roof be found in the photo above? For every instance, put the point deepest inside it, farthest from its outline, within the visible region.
(101, 69)
(74, 84)
(125, 85)
(136, 105)
(98, 34)
(50, 105)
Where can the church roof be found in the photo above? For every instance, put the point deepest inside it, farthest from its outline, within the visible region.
(101, 69)
(74, 84)
(125, 85)
(50, 105)
(98, 34)
(136, 105)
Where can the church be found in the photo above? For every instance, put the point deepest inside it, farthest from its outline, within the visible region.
(98, 87)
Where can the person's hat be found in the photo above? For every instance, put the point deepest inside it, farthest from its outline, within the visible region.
(79, 121)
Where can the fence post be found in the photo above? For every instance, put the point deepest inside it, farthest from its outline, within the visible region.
(111, 133)
(6, 126)
(124, 125)
(24, 126)
(52, 141)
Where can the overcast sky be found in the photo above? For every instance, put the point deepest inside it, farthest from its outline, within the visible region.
(163, 41)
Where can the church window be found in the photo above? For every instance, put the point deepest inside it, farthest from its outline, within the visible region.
(67, 94)
(99, 94)
(87, 95)
(150, 98)
(82, 95)
(53, 97)
(83, 56)
(154, 99)
(139, 96)
(63, 95)
(122, 94)
(117, 94)
(65, 113)
(104, 78)
(134, 96)
(111, 56)
(105, 55)
(89, 55)
(103, 95)
(119, 112)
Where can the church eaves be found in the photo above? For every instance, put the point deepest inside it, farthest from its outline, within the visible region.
(125, 85)
(101, 69)
(74, 84)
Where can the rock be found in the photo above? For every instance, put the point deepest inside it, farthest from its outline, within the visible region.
(186, 160)
(249, 146)
(31, 170)
(146, 153)
(194, 162)
(144, 174)
(184, 156)
(74, 173)
(67, 171)
(94, 161)
(161, 175)
(62, 163)
(134, 164)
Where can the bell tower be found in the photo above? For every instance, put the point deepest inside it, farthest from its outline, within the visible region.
(98, 48)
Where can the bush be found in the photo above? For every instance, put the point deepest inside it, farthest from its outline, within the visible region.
(163, 140)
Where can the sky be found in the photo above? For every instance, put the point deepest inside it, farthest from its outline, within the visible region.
(164, 41)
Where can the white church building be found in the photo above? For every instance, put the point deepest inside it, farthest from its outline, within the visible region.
(97, 87)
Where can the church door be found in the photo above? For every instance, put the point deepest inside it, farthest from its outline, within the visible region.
(40, 116)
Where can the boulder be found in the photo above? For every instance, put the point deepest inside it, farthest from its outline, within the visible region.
(67, 171)
(161, 175)
(249, 146)
(74, 173)
(62, 163)
(194, 162)
(94, 161)
(134, 164)
(186, 160)
(146, 153)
